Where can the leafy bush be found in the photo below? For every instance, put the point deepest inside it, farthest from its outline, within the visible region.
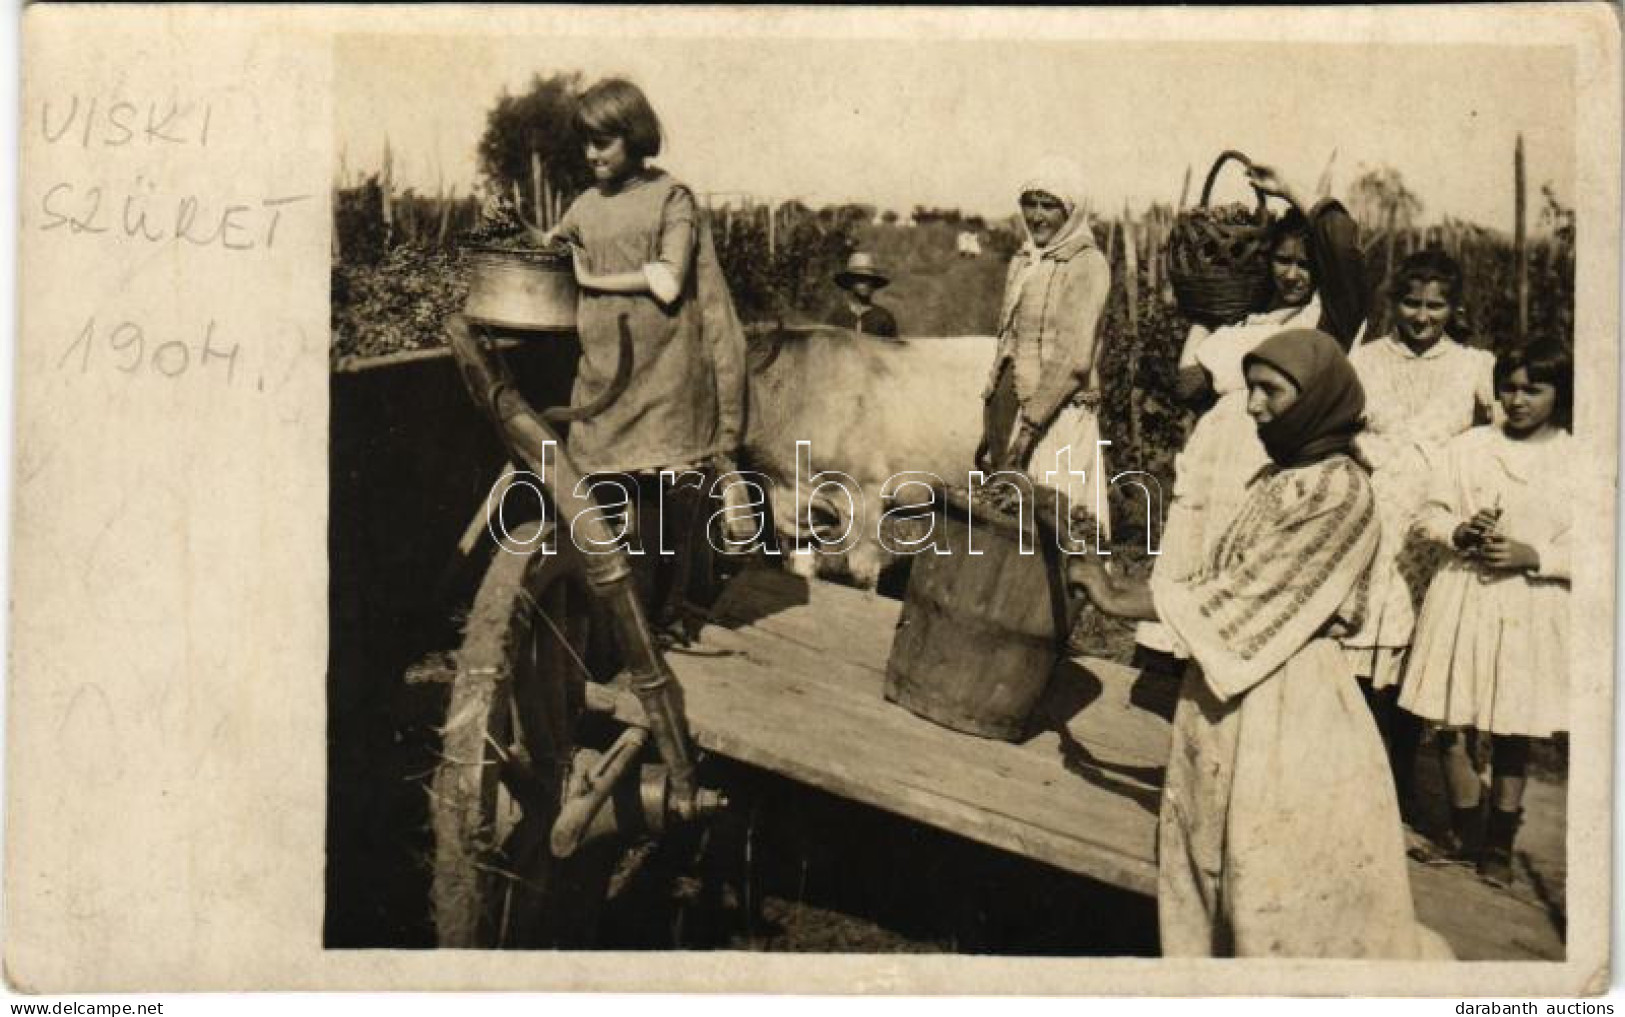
(790, 279)
(395, 304)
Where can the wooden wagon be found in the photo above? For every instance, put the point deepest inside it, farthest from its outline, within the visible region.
(543, 752)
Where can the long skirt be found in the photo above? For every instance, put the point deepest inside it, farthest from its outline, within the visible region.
(1076, 427)
(1279, 834)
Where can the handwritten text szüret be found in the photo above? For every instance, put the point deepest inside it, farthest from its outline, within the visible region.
(233, 225)
(138, 209)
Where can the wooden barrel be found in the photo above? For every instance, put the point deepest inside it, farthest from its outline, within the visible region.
(517, 289)
(980, 634)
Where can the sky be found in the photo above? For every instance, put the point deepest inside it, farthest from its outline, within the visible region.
(957, 123)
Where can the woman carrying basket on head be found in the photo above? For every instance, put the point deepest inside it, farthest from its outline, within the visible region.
(1316, 281)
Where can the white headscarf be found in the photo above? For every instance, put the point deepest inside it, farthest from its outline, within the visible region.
(1062, 179)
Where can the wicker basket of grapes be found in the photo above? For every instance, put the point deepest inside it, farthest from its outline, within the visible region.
(1218, 257)
(513, 282)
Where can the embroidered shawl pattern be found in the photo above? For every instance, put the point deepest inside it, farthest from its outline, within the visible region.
(1296, 557)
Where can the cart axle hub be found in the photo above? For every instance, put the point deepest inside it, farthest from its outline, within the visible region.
(601, 802)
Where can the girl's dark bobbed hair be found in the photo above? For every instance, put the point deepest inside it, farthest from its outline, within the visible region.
(1429, 266)
(619, 108)
(1545, 361)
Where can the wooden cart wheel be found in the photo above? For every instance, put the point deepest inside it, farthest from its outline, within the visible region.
(506, 747)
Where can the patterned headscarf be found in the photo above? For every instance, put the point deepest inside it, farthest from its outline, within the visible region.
(1327, 414)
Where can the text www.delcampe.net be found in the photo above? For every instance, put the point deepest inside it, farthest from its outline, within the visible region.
(85, 1009)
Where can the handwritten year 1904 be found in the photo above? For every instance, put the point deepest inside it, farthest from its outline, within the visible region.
(126, 347)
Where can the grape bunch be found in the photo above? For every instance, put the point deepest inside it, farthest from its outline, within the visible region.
(1214, 236)
(1233, 214)
(1043, 506)
(498, 223)
(501, 227)
(996, 499)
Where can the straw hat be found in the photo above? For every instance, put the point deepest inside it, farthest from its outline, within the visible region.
(861, 265)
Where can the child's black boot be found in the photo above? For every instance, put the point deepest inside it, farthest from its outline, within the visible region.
(1495, 864)
(1465, 839)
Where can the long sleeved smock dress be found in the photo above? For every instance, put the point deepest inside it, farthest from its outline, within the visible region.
(1262, 849)
(1491, 649)
(1415, 403)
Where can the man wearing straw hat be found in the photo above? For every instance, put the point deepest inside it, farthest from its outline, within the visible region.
(861, 278)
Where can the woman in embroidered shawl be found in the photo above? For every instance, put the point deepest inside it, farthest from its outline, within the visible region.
(1262, 850)
(1317, 281)
(1044, 388)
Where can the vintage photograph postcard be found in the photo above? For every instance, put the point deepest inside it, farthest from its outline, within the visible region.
(1044, 501)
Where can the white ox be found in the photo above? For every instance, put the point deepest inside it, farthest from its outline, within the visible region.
(868, 408)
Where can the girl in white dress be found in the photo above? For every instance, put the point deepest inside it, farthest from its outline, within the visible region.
(1490, 651)
(1422, 389)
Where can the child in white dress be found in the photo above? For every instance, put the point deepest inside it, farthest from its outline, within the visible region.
(1490, 651)
(1422, 388)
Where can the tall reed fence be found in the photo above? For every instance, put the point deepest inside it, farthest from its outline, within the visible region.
(396, 275)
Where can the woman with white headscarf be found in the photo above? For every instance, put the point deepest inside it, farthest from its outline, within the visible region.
(1043, 391)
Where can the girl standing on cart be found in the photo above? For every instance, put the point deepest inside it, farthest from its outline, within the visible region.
(643, 253)
(1279, 832)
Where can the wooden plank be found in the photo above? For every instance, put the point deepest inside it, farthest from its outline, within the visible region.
(769, 694)
(790, 607)
(1095, 699)
(354, 365)
(773, 704)
(791, 681)
(775, 715)
(1100, 722)
(859, 691)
